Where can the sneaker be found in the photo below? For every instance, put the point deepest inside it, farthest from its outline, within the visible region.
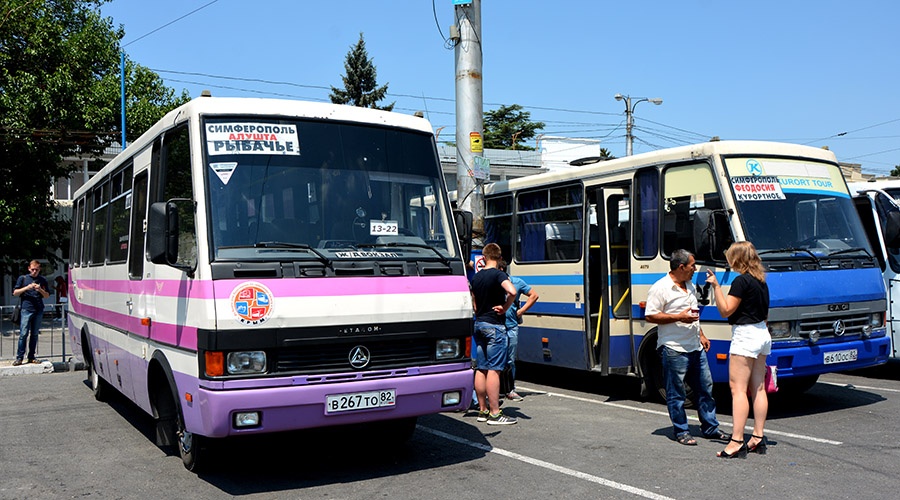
(514, 396)
(501, 419)
(17, 362)
(483, 416)
(34, 361)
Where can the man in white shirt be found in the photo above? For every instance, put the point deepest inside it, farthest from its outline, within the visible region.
(672, 304)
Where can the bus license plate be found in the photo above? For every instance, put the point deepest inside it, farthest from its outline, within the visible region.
(840, 356)
(359, 401)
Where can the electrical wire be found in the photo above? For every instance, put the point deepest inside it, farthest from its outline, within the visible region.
(169, 23)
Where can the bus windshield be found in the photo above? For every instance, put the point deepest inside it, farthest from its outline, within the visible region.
(312, 189)
(795, 208)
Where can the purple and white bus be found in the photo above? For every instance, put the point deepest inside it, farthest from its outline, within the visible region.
(252, 266)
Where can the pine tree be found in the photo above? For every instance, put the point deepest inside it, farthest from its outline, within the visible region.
(359, 82)
(508, 127)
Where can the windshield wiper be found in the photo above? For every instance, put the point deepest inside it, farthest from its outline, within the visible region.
(406, 244)
(283, 244)
(792, 250)
(848, 250)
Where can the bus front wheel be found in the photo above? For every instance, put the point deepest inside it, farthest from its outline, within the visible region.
(654, 378)
(797, 385)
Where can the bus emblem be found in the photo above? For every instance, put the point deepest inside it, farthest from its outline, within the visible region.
(754, 167)
(359, 357)
(839, 328)
(251, 303)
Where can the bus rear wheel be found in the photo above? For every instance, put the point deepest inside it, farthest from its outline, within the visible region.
(99, 386)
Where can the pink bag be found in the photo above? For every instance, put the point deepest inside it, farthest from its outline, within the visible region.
(771, 379)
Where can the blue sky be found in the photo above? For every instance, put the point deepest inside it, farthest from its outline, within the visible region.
(823, 73)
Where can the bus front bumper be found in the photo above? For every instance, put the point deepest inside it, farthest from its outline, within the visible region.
(214, 412)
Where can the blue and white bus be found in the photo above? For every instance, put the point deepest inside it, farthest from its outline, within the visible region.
(593, 239)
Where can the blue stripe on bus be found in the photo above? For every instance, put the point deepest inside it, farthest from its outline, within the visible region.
(819, 192)
(554, 279)
(556, 308)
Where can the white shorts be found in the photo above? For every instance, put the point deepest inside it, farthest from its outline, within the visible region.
(750, 340)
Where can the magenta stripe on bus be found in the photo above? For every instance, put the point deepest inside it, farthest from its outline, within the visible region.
(306, 287)
(167, 333)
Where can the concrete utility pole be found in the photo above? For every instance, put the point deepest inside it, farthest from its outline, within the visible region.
(469, 117)
(629, 116)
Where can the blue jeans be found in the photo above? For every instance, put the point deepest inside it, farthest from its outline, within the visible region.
(491, 342)
(693, 368)
(513, 334)
(31, 323)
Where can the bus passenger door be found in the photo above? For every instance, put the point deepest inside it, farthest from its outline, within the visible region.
(609, 279)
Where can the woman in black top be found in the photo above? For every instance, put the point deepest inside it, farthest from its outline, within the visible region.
(747, 308)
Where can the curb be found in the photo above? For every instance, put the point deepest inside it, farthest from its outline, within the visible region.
(45, 366)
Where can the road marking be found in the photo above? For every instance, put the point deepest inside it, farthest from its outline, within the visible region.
(547, 465)
(854, 386)
(666, 414)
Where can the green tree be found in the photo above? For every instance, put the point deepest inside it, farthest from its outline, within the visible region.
(508, 127)
(360, 85)
(606, 154)
(59, 97)
(896, 171)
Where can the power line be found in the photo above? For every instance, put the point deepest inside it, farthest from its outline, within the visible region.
(169, 23)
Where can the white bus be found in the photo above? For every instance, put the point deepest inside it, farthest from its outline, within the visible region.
(880, 212)
(594, 239)
(251, 265)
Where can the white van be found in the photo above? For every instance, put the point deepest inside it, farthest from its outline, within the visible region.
(879, 208)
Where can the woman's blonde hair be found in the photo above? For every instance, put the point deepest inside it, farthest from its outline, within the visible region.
(742, 257)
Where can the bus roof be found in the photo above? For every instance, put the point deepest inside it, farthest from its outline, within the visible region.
(681, 153)
(212, 106)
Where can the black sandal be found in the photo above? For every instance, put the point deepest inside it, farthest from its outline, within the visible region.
(741, 453)
(686, 439)
(760, 447)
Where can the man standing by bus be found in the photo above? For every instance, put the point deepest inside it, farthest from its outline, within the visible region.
(31, 290)
(672, 304)
(492, 296)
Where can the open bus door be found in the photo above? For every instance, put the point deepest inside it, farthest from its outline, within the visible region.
(609, 280)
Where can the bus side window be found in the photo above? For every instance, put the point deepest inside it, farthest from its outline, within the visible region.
(686, 189)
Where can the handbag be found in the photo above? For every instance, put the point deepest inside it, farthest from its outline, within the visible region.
(16, 316)
(771, 379)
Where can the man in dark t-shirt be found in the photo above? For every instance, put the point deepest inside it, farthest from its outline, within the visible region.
(31, 289)
(492, 296)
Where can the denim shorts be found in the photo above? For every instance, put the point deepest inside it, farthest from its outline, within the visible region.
(491, 343)
(750, 340)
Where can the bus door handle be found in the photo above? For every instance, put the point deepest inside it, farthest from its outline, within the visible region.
(130, 304)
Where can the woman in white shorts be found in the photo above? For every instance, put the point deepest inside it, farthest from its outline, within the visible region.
(747, 308)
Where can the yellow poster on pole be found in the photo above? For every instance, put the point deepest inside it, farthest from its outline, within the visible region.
(475, 144)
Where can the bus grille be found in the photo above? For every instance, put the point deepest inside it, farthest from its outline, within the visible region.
(853, 325)
(330, 358)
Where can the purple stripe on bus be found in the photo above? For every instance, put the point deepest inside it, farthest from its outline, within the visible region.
(306, 287)
(167, 333)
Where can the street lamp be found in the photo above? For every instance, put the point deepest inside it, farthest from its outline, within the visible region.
(629, 116)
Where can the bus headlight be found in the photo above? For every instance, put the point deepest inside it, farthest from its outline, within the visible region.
(780, 329)
(243, 362)
(876, 320)
(447, 349)
(814, 336)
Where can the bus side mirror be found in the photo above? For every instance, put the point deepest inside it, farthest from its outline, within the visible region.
(711, 234)
(162, 233)
(892, 229)
(464, 231)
